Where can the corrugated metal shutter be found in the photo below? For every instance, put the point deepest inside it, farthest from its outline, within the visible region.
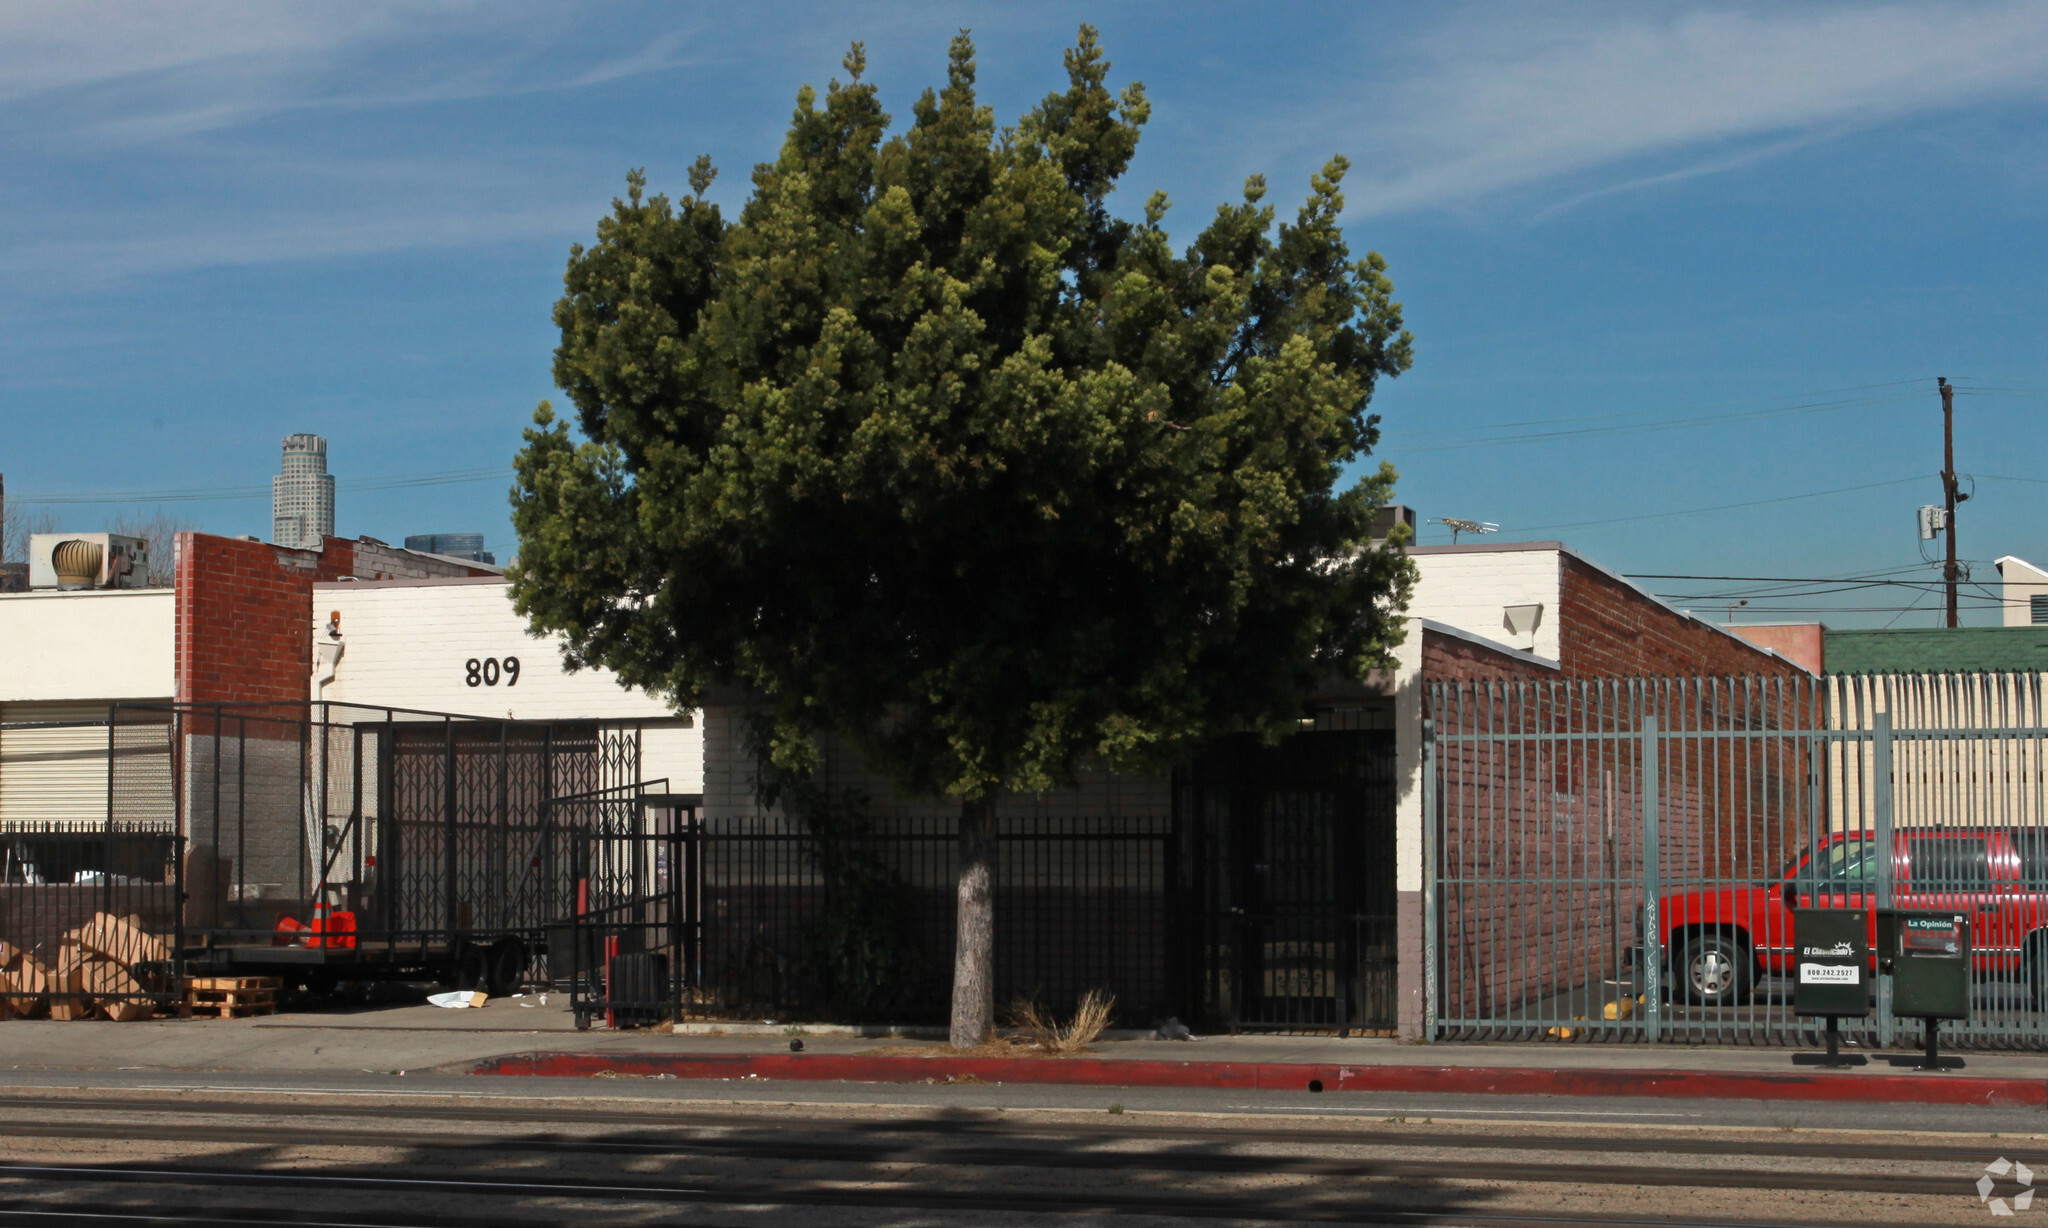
(54, 777)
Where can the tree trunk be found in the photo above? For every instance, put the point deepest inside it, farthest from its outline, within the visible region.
(974, 939)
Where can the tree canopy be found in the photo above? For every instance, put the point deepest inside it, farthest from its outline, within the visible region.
(932, 451)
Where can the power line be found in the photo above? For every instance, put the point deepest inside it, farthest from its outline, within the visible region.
(224, 494)
(1645, 413)
(1673, 425)
(1910, 607)
(1657, 575)
(1720, 507)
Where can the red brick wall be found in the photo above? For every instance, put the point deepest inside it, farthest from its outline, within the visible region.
(244, 615)
(1805, 643)
(1609, 628)
(1448, 658)
(245, 612)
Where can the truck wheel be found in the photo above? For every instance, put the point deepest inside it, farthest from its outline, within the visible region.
(2034, 967)
(1715, 970)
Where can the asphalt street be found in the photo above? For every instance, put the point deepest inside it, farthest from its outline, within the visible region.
(148, 1147)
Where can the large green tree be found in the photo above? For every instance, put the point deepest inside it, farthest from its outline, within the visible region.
(932, 452)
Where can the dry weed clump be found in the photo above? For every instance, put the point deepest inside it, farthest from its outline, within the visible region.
(1041, 1030)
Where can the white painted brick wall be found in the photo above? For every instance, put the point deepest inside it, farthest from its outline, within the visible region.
(408, 646)
(110, 644)
(1472, 592)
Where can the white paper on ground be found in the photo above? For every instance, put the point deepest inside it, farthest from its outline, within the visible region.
(457, 999)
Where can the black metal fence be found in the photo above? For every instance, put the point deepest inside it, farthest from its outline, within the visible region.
(495, 851)
(860, 926)
(89, 920)
(89, 914)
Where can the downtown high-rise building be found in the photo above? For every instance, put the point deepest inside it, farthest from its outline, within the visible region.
(302, 495)
(466, 546)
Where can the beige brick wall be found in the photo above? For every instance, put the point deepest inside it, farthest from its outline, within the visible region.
(1470, 588)
(409, 644)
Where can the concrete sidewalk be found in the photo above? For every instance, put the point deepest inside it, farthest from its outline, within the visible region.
(525, 1036)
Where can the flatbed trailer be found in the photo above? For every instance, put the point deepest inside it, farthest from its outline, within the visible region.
(447, 842)
(497, 965)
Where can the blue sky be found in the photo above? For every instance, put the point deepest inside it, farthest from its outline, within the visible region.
(226, 222)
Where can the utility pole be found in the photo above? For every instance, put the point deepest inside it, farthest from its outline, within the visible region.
(1948, 488)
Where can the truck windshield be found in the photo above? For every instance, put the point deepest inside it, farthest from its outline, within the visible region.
(1843, 867)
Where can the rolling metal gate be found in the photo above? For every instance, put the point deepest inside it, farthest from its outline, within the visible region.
(1609, 859)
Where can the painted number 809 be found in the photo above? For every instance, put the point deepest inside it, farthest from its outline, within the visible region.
(488, 670)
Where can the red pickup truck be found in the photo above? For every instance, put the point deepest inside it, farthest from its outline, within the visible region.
(1719, 941)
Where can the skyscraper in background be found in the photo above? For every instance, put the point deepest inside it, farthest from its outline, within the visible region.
(302, 496)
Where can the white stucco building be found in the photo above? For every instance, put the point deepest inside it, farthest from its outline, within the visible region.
(64, 657)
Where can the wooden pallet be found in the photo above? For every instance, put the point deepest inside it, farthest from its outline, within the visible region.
(232, 997)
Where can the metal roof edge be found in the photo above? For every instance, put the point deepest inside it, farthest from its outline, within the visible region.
(1487, 548)
(1519, 654)
(407, 582)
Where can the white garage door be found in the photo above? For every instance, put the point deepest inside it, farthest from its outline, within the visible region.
(53, 766)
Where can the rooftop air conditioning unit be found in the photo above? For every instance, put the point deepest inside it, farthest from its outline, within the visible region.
(87, 560)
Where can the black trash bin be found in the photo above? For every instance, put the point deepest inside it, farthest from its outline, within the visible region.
(637, 989)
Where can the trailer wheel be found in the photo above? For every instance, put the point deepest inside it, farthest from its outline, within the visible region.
(472, 968)
(505, 967)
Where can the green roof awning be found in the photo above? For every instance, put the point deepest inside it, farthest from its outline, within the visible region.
(1938, 650)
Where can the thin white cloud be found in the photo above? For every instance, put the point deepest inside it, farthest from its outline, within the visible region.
(312, 208)
(659, 55)
(1521, 102)
(1746, 155)
(88, 265)
(138, 71)
(53, 47)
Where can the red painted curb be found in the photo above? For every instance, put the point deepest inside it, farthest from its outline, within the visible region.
(1293, 1076)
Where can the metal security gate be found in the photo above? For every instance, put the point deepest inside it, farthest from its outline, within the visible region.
(462, 840)
(1289, 853)
(633, 932)
(1616, 859)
